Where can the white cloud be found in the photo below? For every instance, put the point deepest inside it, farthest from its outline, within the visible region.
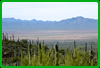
(49, 10)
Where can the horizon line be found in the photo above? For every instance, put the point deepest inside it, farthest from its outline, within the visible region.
(48, 20)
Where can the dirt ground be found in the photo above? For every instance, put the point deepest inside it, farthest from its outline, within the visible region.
(55, 35)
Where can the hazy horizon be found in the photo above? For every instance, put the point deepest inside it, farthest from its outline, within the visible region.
(51, 20)
(49, 11)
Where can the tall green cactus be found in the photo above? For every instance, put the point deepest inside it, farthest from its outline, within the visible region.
(13, 56)
(74, 45)
(19, 49)
(37, 40)
(32, 42)
(72, 58)
(56, 54)
(21, 54)
(31, 47)
(85, 47)
(36, 48)
(39, 52)
(7, 35)
(10, 38)
(45, 49)
(57, 43)
(43, 42)
(29, 51)
(91, 46)
(18, 40)
(34, 52)
(15, 51)
(39, 46)
(91, 54)
(74, 54)
(13, 37)
(3, 36)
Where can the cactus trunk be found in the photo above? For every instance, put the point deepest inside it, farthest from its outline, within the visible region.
(32, 42)
(74, 45)
(43, 42)
(13, 37)
(7, 35)
(85, 47)
(56, 54)
(91, 54)
(29, 51)
(10, 38)
(39, 52)
(21, 55)
(3, 36)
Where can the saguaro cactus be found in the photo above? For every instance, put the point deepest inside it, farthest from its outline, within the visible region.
(29, 50)
(21, 54)
(91, 46)
(39, 47)
(45, 48)
(74, 45)
(13, 37)
(10, 38)
(30, 47)
(38, 39)
(3, 36)
(13, 56)
(32, 42)
(91, 54)
(57, 44)
(15, 52)
(56, 54)
(43, 42)
(72, 58)
(39, 52)
(18, 40)
(85, 47)
(7, 35)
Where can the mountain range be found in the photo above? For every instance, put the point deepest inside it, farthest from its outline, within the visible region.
(75, 23)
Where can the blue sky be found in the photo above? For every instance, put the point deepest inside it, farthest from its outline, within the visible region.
(51, 11)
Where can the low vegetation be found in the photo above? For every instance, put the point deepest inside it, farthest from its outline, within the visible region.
(26, 53)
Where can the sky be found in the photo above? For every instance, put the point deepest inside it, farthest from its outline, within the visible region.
(49, 11)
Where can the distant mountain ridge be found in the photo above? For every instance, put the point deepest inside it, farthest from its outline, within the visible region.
(19, 20)
(75, 23)
(34, 20)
